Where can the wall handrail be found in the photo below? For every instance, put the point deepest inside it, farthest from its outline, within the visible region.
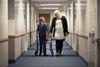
(3, 40)
(79, 35)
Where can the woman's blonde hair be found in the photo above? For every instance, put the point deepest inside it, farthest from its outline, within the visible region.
(57, 12)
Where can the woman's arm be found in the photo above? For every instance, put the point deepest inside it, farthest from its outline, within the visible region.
(65, 26)
(52, 25)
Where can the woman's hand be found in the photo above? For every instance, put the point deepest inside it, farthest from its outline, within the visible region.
(50, 34)
(66, 34)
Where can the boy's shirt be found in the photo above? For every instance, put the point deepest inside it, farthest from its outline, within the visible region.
(42, 29)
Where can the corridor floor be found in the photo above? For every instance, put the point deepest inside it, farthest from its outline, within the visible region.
(68, 59)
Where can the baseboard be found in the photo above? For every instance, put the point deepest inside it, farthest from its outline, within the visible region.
(10, 61)
(83, 59)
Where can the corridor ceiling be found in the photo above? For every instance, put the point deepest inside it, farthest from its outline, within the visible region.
(49, 5)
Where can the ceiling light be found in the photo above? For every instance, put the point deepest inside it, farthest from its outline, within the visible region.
(48, 8)
(50, 4)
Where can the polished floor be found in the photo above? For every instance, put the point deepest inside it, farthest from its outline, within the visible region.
(68, 59)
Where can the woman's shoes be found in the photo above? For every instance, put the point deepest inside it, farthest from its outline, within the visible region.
(45, 55)
(41, 54)
(58, 54)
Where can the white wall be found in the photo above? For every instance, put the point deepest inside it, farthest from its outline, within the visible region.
(19, 17)
(3, 33)
(11, 17)
(17, 40)
(3, 19)
(77, 26)
(28, 18)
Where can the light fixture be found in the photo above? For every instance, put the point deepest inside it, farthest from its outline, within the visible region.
(48, 8)
(50, 4)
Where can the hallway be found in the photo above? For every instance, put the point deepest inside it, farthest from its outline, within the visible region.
(68, 59)
(18, 24)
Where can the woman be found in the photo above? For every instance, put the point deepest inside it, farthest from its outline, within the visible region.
(41, 30)
(59, 29)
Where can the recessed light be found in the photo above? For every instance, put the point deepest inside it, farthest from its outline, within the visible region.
(48, 8)
(50, 4)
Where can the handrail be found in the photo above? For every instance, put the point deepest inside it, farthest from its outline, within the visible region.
(79, 35)
(16, 36)
(3, 40)
(98, 40)
(83, 36)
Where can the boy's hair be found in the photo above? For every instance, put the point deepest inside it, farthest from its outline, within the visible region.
(42, 19)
